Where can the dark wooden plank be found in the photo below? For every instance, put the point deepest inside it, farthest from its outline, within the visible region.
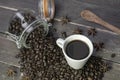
(111, 41)
(5, 16)
(104, 3)
(20, 4)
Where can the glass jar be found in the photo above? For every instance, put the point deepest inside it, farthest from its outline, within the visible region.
(25, 22)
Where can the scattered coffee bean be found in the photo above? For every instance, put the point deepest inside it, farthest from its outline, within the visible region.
(64, 34)
(113, 55)
(98, 46)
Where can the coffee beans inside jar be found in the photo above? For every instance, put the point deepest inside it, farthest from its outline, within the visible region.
(15, 23)
(45, 60)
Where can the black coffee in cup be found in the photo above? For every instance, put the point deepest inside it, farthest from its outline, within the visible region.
(77, 50)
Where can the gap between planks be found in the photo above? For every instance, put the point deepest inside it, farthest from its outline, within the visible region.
(108, 7)
(9, 64)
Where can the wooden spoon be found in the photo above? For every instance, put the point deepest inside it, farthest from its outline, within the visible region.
(90, 16)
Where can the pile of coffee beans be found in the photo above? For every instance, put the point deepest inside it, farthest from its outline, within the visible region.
(94, 69)
(15, 23)
(45, 60)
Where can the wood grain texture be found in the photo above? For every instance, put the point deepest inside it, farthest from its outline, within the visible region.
(20, 4)
(104, 3)
(72, 8)
(8, 51)
(114, 73)
(5, 16)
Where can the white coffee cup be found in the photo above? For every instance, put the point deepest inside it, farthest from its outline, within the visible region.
(76, 64)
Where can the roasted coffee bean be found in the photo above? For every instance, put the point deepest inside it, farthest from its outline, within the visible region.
(113, 55)
(89, 78)
(64, 34)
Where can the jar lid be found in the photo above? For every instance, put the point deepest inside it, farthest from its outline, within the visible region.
(46, 9)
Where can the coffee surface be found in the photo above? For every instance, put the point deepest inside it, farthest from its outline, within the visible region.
(77, 50)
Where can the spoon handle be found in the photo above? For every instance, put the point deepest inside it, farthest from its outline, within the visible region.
(90, 16)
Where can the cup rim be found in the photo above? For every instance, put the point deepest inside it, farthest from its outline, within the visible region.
(90, 52)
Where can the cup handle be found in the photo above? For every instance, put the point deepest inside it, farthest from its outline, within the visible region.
(60, 42)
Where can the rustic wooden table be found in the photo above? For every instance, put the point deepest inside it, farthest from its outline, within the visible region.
(108, 10)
